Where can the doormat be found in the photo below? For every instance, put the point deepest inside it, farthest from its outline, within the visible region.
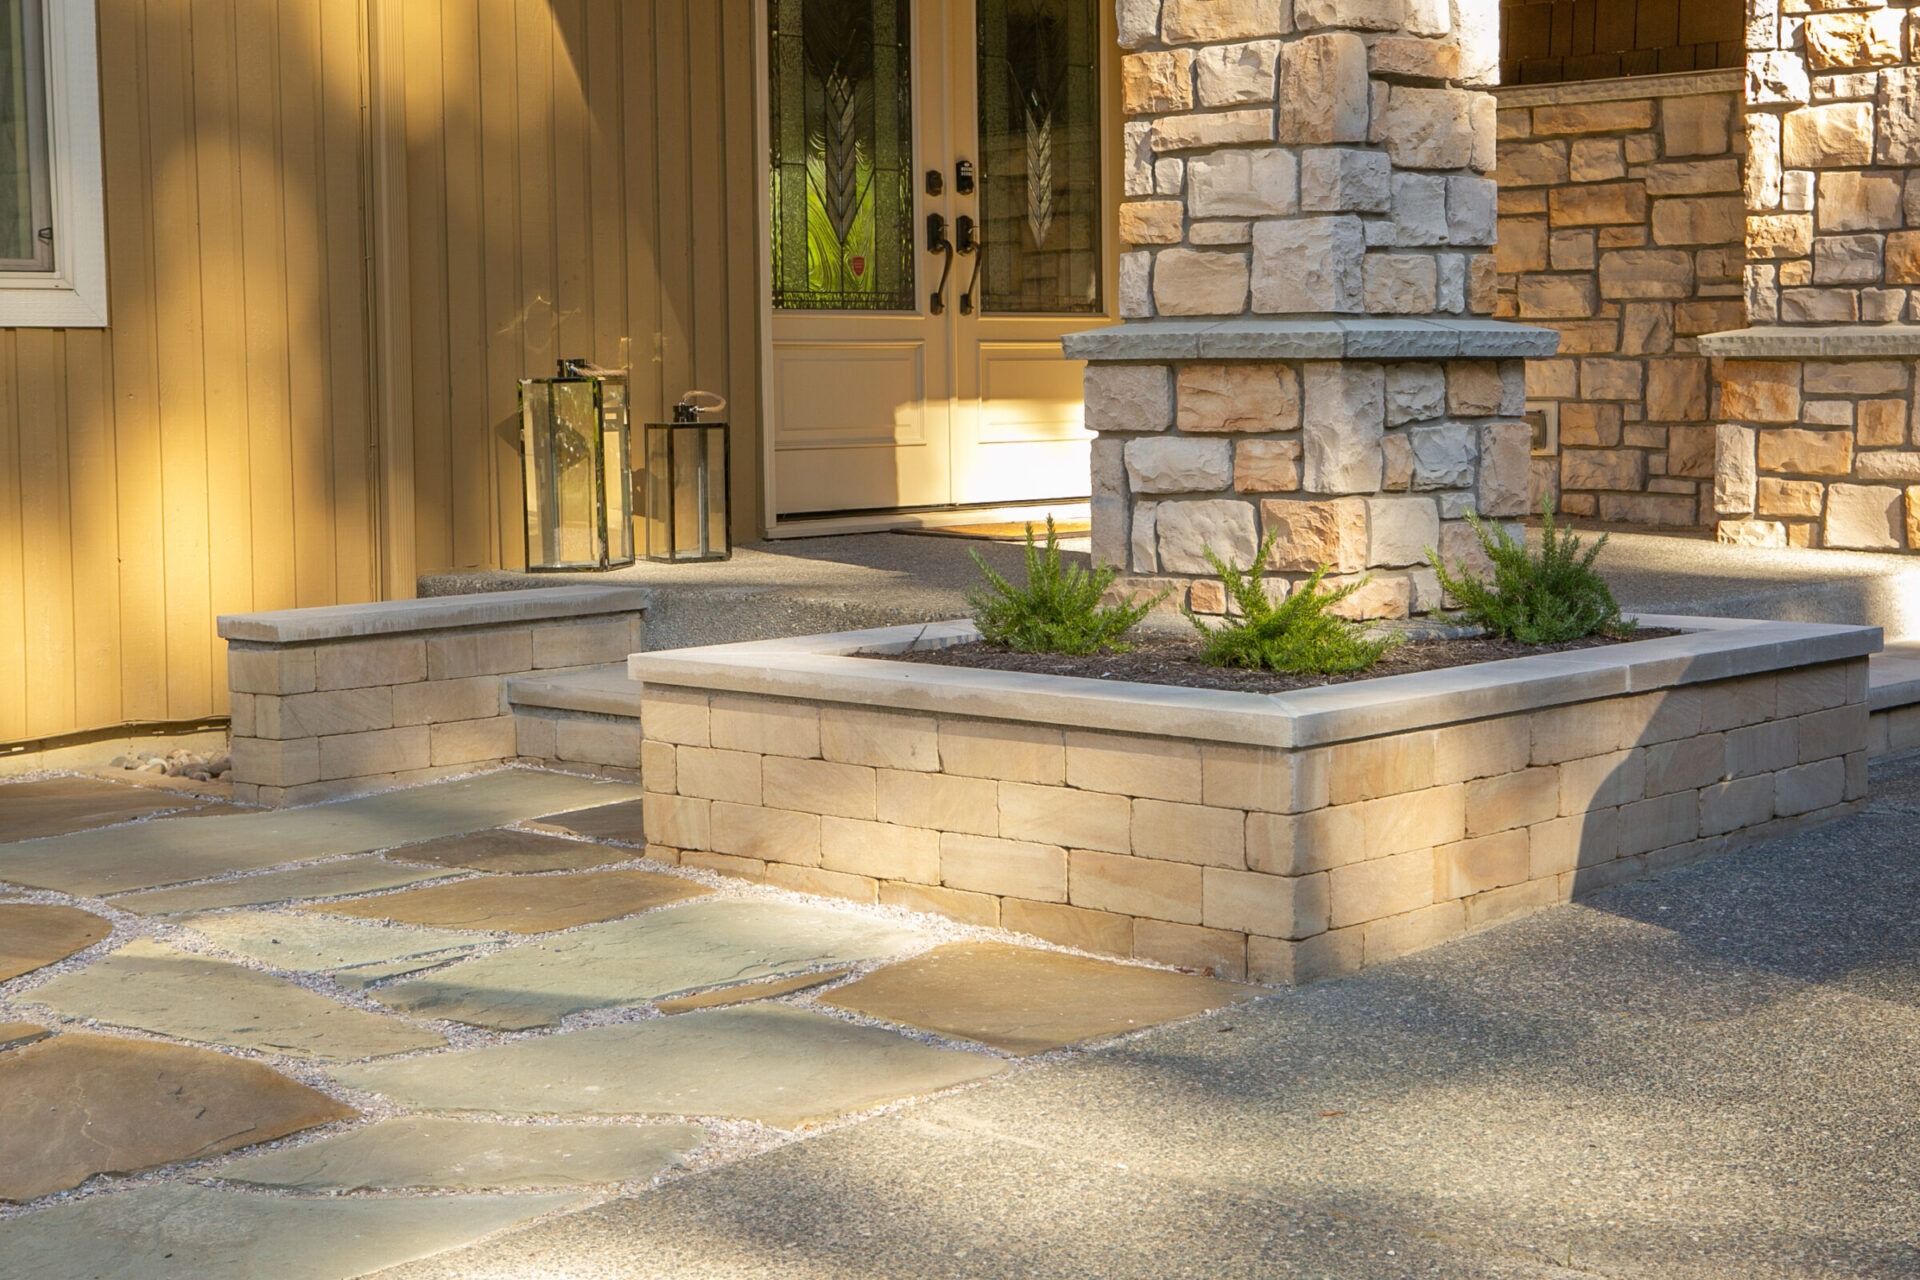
(1008, 530)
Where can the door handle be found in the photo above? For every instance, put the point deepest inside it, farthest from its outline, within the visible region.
(937, 242)
(967, 232)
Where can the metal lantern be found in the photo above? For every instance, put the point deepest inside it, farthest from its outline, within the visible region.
(577, 456)
(687, 465)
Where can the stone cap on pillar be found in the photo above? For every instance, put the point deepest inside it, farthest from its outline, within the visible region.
(1802, 342)
(1355, 338)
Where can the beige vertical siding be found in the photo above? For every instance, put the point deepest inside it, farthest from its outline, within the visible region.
(210, 452)
(581, 182)
(579, 179)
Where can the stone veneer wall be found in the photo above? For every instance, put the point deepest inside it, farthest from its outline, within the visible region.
(1622, 228)
(1274, 864)
(1817, 444)
(1309, 217)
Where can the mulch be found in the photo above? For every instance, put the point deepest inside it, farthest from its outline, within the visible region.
(1177, 661)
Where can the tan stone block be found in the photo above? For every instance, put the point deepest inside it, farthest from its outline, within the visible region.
(271, 763)
(584, 642)
(1364, 769)
(1151, 83)
(659, 764)
(458, 654)
(753, 831)
(1857, 201)
(1796, 451)
(1309, 265)
(1532, 164)
(880, 850)
(1127, 764)
(1577, 730)
(1779, 235)
(1896, 465)
(1596, 160)
(1249, 397)
(1808, 689)
(1865, 517)
(1808, 788)
(1646, 273)
(1594, 117)
(1913, 518)
(1264, 779)
(1484, 748)
(473, 698)
(1473, 388)
(674, 715)
(1598, 204)
(1382, 887)
(1210, 951)
(677, 821)
(1310, 533)
(1710, 220)
(1902, 257)
(1763, 749)
(1214, 129)
(534, 739)
(1659, 823)
(1327, 955)
(1794, 499)
(355, 664)
(733, 776)
(1699, 125)
(1601, 782)
(318, 715)
(1512, 800)
(595, 740)
(1760, 391)
(1003, 750)
(940, 801)
(1101, 932)
(1230, 75)
(355, 755)
(969, 908)
(1881, 423)
(1838, 731)
(1063, 816)
(1323, 89)
(823, 883)
(1128, 397)
(819, 786)
(1827, 137)
(888, 739)
(1414, 820)
(1414, 59)
(1496, 906)
(1189, 833)
(1177, 464)
(1400, 284)
(1269, 905)
(769, 726)
(269, 671)
(1521, 246)
(1841, 40)
(1211, 21)
(473, 741)
(1302, 844)
(1854, 377)
(1266, 466)
(1135, 886)
(1477, 865)
(1732, 805)
(1006, 868)
(1566, 844)
(1685, 764)
(1240, 183)
(1152, 222)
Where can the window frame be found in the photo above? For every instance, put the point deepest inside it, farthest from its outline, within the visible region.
(74, 293)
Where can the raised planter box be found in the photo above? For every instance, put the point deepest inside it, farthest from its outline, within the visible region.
(1281, 838)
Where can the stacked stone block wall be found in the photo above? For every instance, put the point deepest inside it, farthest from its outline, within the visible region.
(318, 719)
(1622, 227)
(1195, 458)
(1278, 865)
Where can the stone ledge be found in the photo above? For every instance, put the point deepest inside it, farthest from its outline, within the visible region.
(1359, 338)
(438, 613)
(828, 669)
(606, 691)
(1680, 84)
(1893, 678)
(1787, 342)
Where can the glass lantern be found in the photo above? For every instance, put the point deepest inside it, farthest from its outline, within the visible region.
(574, 442)
(687, 465)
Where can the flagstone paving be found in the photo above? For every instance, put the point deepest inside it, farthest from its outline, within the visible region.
(510, 852)
(148, 855)
(315, 944)
(55, 806)
(154, 987)
(523, 904)
(747, 991)
(79, 1104)
(493, 902)
(33, 935)
(437, 1153)
(327, 880)
(1026, 1001)
(778, 1065)
(15, 1034)
(628, 962)
(179, 1232)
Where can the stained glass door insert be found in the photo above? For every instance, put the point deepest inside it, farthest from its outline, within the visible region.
(842, 155)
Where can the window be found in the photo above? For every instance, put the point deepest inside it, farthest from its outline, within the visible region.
(52, 250)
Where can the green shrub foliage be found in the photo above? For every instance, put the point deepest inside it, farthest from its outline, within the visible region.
(1059, 610)
(1535, 599)
(1297, 636)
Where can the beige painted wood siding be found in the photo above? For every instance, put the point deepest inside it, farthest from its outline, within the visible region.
(210, 452)
(581, 181)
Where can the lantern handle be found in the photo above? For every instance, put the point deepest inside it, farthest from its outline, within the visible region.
(695, 403)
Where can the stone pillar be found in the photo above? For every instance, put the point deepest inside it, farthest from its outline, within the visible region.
(1816, 440)
(1305, 349)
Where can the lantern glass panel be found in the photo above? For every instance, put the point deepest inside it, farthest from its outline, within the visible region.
(616, 454)
(687, 491)
(574, 440)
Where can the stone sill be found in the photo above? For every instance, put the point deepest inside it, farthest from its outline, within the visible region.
(439, 613)
(829, 669)
(1788, 342)
(1359, 338)
(605, 691)
(1680, 84)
